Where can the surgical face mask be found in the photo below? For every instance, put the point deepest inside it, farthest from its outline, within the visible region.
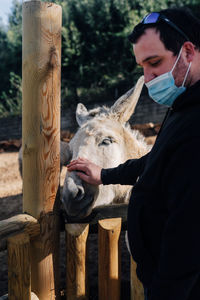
(163, 90)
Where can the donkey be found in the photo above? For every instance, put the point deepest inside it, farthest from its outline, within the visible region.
(105, 138)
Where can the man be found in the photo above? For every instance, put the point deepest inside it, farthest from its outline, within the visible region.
(164, 208)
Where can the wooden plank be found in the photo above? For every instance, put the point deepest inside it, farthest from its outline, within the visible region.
(19, 268)
(17, 224)
(109, 259)
(137, 290)
(76, 261)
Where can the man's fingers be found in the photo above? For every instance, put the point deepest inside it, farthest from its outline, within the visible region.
(74, 163)
(83, 176)
(86, 170)
(77, 167)
(77, 161)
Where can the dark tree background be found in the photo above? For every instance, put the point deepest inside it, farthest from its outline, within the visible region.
(97, 59)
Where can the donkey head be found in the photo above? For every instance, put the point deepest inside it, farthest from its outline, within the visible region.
(104, 139)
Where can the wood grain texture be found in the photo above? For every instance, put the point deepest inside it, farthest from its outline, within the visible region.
(15, 225)
(45, 275)
(76, 261)
(19, 268)
(109, 259)
(137, 290)
(41, 72)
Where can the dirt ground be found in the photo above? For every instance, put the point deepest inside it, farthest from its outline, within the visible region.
(11, 204)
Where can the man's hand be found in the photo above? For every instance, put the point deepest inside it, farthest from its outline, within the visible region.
(89, 172)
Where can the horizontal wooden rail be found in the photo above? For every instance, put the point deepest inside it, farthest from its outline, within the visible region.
(101, 213)
(20, 223)
(28, 224)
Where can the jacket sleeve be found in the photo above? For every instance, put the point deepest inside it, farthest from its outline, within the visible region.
(126, 173)
(178, 275)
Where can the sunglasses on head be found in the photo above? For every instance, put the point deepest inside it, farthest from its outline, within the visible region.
(156, 17)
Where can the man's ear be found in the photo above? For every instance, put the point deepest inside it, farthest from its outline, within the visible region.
(189, 49)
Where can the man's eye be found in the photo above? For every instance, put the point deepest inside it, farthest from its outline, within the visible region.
(155, 63)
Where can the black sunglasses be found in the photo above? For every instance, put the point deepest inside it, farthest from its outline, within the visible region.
(156, 17)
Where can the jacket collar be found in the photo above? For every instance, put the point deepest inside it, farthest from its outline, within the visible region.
(189, 98)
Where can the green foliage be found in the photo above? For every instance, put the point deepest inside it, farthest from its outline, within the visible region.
(11, 102)
(3, 58)
(10, 61)
(97, 59)
(96, 51)
(14, 37)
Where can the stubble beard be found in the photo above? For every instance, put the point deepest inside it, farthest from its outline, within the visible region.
(180, 72)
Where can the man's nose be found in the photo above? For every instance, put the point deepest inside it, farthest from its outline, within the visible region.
(148, 76)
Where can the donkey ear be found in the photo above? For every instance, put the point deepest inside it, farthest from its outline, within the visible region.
(81, 114)
(124, 107)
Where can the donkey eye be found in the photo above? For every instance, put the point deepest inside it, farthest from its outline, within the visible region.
(92, 114)
(106, 141)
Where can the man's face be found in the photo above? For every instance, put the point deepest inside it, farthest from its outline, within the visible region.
(155, 59)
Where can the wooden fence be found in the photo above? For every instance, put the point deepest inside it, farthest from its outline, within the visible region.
(18, 233)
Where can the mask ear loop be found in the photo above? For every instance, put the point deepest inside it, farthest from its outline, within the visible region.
(186, 74)
(176, 60)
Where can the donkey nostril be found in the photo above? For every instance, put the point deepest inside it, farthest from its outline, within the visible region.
(80, 194)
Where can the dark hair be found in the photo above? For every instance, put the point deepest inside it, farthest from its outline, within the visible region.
(172, 39)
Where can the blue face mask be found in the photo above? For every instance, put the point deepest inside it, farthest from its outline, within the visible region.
(163, 90)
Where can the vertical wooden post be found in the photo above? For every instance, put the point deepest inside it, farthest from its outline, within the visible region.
(41, 71)
(109, 259)
(19, 267)
(137, 290)
(76, 261)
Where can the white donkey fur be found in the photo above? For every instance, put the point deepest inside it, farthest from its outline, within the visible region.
(105, 138)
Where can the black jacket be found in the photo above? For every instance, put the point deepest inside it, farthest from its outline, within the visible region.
(164, 208)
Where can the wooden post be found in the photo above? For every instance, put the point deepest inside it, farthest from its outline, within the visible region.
(109, 259)
(137, 291)
(19, 267)
(41, 71)
(76, 261)
(14, 225)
